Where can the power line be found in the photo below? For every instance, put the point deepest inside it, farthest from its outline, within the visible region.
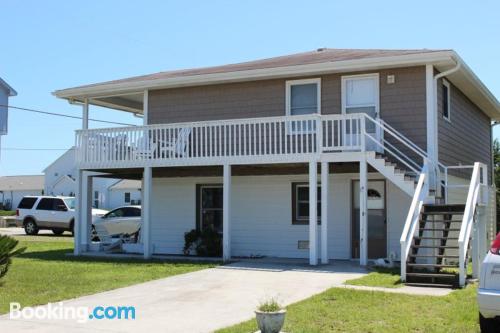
(63, 115)
(37, 149)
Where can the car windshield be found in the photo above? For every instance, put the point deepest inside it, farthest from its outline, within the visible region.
(70, 202)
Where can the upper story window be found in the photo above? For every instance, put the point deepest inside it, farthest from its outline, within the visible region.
(446, 100)
(303, 97)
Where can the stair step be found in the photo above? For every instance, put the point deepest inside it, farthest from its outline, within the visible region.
(440, 221)
(437, 238)
(431, 265)
(439, 229)
(432, 256)
(434, 247)
(440, 212)
(433, 275)
(435, 285)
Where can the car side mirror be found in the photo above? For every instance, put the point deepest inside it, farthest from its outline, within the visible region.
(62, 208)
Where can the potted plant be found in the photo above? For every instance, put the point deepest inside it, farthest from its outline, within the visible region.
(270, 316)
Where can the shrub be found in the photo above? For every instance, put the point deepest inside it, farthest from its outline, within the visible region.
(7, 246)
(207, 243)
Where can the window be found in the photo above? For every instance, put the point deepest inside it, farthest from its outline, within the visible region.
(132, 211)
(209, 207)
(446, 100)
(303, 97)
(96, 199)
(127, 197)
(45, 204)
(300, 203)
(26, 203)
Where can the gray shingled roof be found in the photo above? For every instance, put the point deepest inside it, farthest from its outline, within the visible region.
(126, 184)
(19, 183)
(322, 55)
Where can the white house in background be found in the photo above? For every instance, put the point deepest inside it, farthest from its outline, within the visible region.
(60, 179)
(125, 192)
(13, 188)
(6, 91)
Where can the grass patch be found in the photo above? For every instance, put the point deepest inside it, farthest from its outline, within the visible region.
(345, 310)
(44, 273)
(7, 212)
(381, 277)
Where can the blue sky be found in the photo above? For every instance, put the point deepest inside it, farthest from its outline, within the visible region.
(49, 45)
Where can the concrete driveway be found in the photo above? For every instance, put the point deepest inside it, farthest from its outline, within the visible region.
(201, 301)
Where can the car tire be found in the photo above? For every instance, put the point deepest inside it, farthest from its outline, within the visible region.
(30, 227)
(58, 232)
(488, 325)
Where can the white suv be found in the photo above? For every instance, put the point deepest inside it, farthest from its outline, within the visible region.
(47, 212)
(488, 294)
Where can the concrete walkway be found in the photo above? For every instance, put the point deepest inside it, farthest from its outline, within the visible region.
(201, 301)
(409, 290)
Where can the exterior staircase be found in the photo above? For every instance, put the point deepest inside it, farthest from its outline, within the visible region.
(392, 171)
(433, 258)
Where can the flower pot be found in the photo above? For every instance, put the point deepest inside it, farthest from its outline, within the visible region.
(270, 322)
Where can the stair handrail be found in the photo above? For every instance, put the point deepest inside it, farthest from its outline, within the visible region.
(412, 221)
(468, 218)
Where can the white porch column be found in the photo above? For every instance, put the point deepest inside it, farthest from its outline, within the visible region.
(431, 118)
(78, 213)
(324, 212)
(146, 212)
(85, 114)
(86, 212)
(313, 214)
(363, 212)
(226, 214)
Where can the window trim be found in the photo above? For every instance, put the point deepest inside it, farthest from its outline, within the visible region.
(295, 220)
(343, 95)
(448, 86)
(199, 187)
(288, 93)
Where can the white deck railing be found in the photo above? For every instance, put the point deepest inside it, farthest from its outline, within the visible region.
(256, 140)
(479, 180)
(412, 221)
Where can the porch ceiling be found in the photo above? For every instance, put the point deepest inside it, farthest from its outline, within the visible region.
(237, 170)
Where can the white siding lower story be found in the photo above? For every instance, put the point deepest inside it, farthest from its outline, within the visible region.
(261, 215)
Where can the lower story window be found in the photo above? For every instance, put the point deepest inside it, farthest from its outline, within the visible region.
(209, 207)
(300, 203)
(127, 197)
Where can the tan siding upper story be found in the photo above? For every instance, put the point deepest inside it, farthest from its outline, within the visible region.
(402, 104)
(466, 138)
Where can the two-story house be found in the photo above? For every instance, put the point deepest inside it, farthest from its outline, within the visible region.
(329, 154)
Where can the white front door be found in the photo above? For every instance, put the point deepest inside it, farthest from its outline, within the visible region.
(360, 94)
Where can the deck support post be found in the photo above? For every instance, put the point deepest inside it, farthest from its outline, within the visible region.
(313, 214)
(86, 212)
(146, 211)
(78, 213)
(226, 214)
(363, 212)
(324, 211)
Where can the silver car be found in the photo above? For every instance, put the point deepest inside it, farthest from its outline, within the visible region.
(120, 221)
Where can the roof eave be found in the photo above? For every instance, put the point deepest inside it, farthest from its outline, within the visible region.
(255, 74)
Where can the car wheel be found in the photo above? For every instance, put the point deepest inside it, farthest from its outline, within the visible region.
(58, 232)
(30, 227)
(93, 235)
(488, 325)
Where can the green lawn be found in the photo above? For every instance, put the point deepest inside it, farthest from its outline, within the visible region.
(345, 310)
(44, 273)
(7, 212)
(381, 277)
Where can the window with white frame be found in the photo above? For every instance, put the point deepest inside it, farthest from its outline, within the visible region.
(300, 203)
(127, 197)
(303, 97)
(446, 100)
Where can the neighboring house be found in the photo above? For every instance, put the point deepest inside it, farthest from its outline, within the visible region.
(6, 91)
(13, 188)
(60, 179)
(125, 192)
(263, 151)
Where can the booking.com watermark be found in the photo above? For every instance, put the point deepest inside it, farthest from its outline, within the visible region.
(82, 314)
